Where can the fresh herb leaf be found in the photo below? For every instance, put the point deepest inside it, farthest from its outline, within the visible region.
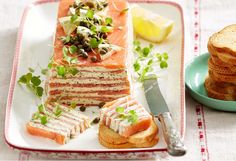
(39, 91)
(136, 66)
(64, 50)
(73, 49)
(57, 111)
(165, 56)
(73, 71)
(73, 105)
(61, 71)
(108, 21)
(35, 81)
(31, 70)
(136, 43)
(93, 29)
(36, 116)
(124, 11)
(94, 43)
(146, 51)
(151, 46)
(150, 62)
(105, 29)
(90, 14)
(44, 120)
(120, 110)
(41, 108)
(44, 71)
(163, 64)
(32, 82)
(73, 18)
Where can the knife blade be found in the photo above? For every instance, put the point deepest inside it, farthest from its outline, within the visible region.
(159, 109)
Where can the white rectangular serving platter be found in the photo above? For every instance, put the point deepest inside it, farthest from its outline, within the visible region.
(34, 46)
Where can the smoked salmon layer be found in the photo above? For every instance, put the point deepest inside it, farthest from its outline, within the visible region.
(57, 122)
(125, 116)
(90, 70)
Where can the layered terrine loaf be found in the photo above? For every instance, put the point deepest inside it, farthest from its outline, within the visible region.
(90, 60)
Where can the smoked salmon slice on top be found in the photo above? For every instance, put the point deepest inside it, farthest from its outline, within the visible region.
(125, 116)
(92, 59)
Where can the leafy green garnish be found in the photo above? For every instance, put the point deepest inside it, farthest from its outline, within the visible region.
(61, 71)
(131, 116)
(57, 111)
(73, 18)
(105, 29)
(41, 108)
(73, 49)
(44, 71)
(90, 14)
(44, 120)
(120, 109)
(108, 21)
(32, 82)
(147, 60)
(31, 70)
(73, 105)
(94, 43)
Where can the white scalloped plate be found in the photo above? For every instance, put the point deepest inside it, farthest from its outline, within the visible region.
(34, 46)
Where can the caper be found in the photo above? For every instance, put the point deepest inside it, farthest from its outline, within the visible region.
(104, 35)
(101, 104)
(88, 49)
(93, 59)
(85, 55)
(82, 108)
(85, 24)
(81, 51)
(96, 120)
(102, 52)
(106, 49)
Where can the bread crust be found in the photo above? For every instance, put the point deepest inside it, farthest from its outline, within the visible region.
(224, 40)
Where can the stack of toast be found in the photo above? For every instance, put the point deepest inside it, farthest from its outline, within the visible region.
(221, 82)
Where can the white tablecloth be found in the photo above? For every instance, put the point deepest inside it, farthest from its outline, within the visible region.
(210, 134)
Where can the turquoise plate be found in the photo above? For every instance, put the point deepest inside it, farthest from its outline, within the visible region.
(195, 74)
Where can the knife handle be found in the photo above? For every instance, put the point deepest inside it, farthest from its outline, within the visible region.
(175, 145)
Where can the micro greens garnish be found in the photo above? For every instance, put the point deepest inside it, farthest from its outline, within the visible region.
(62, 71)
(131, 116)
(73, 18)
(146, 60)
(73, 105)
(40, 114)
(57, 111)
(32, 82)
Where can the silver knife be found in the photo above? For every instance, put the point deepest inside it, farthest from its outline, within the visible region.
(159, 109)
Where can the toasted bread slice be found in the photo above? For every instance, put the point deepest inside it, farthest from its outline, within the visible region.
(219, 69)
(111, 139)
(222, 77)
(129, 145)
(221, 87)
(222, 55)
(225, 40)
(217, 94)
(221, 63)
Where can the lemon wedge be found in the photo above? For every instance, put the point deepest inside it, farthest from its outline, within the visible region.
(67, 26)
(150, 26)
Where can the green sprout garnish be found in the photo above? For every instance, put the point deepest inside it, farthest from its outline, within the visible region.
(146, 60)
(131, 116)
(32, 82)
